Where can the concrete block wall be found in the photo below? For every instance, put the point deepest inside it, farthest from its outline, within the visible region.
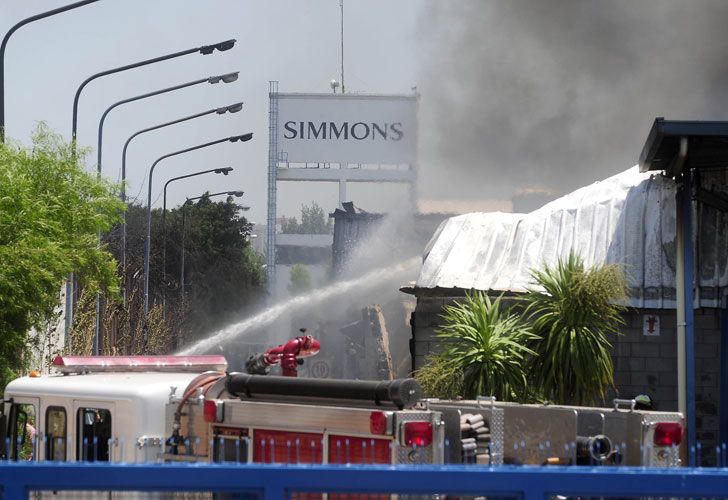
(424, 321)
(642, 364)
(648, 365)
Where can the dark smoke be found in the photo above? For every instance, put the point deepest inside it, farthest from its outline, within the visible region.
(560, 93)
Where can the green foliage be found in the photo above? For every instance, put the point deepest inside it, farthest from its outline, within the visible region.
(313, 221)
(290, 226)
(440, 377)
(573, 311)
(126, 330)
(51, 211)
(224, 276)
(300, 280)
(488, 345)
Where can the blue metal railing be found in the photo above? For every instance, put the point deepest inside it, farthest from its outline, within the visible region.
(277, 481)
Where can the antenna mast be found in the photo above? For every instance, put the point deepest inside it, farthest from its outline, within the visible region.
(341, 4)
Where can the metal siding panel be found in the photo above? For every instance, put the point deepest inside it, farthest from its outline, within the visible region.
(627, 219)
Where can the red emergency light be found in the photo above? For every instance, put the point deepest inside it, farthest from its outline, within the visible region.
(379, 422)
(212, 411)
(668, 434)
(86, 364)
(418, 434)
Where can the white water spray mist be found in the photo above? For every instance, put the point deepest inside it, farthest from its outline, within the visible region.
(369, 280)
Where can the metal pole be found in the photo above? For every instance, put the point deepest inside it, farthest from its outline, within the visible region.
(723, 381)
(132, 99)
(685, 301)
(4, 44)
(147, 242)
(182, 258)
(68, 316)
(97, 327)
(210, 195)
(343, 87)
(205, 49)
(223, 171)
(184, 214)
(272, 186)
(230, 109)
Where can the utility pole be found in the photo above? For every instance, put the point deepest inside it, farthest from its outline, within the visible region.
(341, 5)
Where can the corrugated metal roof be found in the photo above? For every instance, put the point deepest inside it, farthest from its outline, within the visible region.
(627, 219)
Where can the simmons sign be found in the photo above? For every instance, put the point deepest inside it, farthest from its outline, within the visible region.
(347, 128)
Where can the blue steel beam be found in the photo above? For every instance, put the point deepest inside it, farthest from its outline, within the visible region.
(277, 481)
(684, 222)
(723, 384)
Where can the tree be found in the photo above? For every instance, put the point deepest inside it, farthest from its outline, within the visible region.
(300, 279)
(223, 276)
(290, 226)
(51, 212)
(313, 221)
(573, 311)
(485, 345)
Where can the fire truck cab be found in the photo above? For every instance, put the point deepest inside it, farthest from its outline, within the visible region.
(186, 408)
(111, 409)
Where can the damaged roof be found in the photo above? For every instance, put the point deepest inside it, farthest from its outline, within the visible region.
(627, 219)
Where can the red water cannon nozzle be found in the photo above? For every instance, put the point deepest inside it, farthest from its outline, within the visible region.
(288, 355)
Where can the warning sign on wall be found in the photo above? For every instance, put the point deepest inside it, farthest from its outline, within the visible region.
(650, 325)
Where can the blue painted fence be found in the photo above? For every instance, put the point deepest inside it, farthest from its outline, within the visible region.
(277, 481)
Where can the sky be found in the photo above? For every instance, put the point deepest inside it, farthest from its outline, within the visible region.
(555, 94)
(515, 94)
(295, 42)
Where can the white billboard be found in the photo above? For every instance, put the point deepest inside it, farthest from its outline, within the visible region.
(347, 128)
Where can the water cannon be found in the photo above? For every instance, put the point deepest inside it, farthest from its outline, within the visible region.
(288, 355)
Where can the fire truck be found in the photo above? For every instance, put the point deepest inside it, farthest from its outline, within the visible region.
(189, 408)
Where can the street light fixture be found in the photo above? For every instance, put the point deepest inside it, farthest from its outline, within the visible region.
(226, 78)
(210, 80)
(233, 108)
(222, 47)
(235, 138)
(229, 77)
(223, 171)
(4, 44)
(205, 49)
(237, 194)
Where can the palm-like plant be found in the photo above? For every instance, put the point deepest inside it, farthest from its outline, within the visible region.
(488, 346)
(573, 314)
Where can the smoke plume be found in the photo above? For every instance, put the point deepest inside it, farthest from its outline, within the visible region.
(560, 93)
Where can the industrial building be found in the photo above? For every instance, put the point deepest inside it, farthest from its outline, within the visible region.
(628, 219)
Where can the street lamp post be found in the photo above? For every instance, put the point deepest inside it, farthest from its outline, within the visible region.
(204, 50)
(230, 77)
(237, 194)
(227, 78)
(234, 108)
(223, 171)
(4, 44)
(147, 242)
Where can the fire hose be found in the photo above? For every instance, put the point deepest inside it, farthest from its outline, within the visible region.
(402, 393)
